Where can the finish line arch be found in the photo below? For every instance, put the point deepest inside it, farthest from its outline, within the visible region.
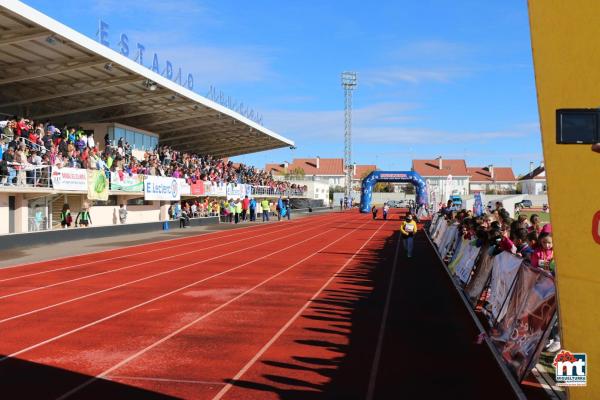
(393, 177)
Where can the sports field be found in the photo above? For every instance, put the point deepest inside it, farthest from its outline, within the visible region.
(322, 307)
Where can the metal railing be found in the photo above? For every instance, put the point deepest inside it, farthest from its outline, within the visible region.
(270, 191)
(27, 175)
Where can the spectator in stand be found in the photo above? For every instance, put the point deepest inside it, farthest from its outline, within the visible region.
(535, 224)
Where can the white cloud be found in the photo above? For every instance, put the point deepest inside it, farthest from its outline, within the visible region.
(384, 123)
(389, 76)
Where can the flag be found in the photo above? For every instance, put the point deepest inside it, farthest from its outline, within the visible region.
(282, 209)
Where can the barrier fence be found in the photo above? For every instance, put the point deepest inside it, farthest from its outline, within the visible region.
(515, 302)
(154, 187)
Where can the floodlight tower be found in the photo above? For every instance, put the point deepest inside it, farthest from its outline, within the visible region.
(348, 83)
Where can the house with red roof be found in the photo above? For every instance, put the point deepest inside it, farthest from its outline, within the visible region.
(490, 179)
(534, 182)
(329, 170)
(453, 177)
(444, 177)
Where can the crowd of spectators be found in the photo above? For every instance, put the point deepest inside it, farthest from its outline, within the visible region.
(496, 232)
(28, 147)
(230, 210)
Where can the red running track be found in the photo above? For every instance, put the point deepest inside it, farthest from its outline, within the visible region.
(300, 309)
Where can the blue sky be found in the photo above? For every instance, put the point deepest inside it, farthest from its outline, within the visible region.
(435, 77)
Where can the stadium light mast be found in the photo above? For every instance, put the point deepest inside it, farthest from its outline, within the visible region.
(348, 83)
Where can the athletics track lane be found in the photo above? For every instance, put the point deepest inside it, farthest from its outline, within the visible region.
(324, 350)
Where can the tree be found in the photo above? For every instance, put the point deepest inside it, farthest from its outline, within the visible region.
(295, 174)
(384, 187)
(336, 189)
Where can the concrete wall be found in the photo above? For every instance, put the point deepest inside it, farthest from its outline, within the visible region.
(11, 241)
(109, 215)
(4, 213)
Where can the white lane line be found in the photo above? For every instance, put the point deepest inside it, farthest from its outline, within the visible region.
(81, 328)
(150, 379)
(386, 310)
(282, 330)
(208, 314)
(110, 271)
(48, 307)
(190, 238)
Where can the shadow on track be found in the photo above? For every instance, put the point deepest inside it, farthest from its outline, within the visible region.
(21, 379)
(428, 346)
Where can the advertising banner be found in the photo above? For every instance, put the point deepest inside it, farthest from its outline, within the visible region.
(197, 189)
(97, 185)
(478, 205)
(69, 179)
(126, 183)
(161, 188)
(504, 271)
(215, 189)
(184, 188)
(464, 265)
(438, 235)
(448, 240)
(480, 276)
(530, 310)
(236, 191)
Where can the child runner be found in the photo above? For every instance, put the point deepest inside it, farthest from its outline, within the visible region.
(84, 214)
(408, 229)
(374, 212)
(386, 208)
(65, 217)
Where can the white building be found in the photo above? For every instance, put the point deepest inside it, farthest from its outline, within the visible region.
(327, 170)
(534, 182)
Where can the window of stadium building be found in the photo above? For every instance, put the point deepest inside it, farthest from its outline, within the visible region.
(137, 139)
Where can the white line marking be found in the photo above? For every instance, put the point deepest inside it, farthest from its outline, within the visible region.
(282, 330)
(133, 265)
(386, 310)
(141, 378)
(214, 310)
(134, 246)
(149, 277)
(55, 338)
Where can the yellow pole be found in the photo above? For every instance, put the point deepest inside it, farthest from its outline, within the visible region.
(565, 36)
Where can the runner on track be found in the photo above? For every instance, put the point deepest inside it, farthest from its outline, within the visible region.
(408, 230)
(374, 212)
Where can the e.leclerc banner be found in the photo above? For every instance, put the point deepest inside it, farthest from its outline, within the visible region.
(161, 188)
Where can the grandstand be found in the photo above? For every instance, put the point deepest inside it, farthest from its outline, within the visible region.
(49, 72)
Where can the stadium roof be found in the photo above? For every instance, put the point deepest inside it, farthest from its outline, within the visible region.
(49, 71)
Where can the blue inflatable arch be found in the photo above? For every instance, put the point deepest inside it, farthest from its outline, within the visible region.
(391, 176)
